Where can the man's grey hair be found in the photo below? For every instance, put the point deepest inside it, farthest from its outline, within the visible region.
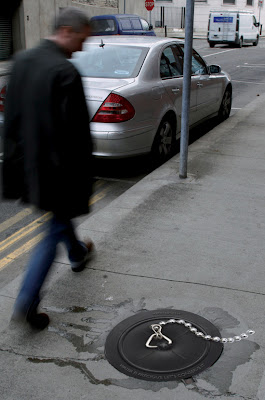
(71, 16)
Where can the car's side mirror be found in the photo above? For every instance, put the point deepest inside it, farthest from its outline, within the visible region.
(214, 69)
(150, 27)
(257, 24)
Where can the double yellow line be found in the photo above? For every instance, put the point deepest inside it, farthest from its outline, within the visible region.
(20, 234)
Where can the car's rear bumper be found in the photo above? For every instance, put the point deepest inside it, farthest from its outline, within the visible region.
(124, 143)
(231, 39)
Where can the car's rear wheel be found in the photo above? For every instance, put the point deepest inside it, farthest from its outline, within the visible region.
(164, 141)
(256, 41)
(225, 107)
(211, 44)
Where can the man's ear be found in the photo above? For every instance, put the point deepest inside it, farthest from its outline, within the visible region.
(66, 30)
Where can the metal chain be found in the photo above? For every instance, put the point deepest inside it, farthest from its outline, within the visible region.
(157, 329)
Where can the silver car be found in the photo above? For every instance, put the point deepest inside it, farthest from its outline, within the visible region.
(133, 87)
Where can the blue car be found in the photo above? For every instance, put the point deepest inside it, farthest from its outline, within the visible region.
(120, 24)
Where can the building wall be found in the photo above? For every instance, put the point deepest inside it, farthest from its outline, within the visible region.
(134, 7)
(18, 29)
(201, 10)
(34, 19)
(31, 22)
(39, 14)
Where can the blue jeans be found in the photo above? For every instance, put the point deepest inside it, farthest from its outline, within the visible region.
(60, 230)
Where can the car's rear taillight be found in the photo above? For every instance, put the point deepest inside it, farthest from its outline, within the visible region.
(114, 109)
(2, 98)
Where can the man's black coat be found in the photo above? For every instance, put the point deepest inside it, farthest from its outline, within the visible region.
(47, 143)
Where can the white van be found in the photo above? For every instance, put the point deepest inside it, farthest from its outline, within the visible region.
(232, 27)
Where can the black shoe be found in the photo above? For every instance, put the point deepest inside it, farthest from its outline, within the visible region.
(78, 266)
(38, 321)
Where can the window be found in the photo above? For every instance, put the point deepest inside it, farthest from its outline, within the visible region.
(249, 2)
(125, 23)
(110, 61)
(229, 1)
(136, 24)
(171, 62)
(145, 24)
(103, 25)
(198, 66)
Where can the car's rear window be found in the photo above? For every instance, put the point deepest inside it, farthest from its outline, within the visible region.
(136, 24)
(125, 24)
(110, 61)
(103, 25)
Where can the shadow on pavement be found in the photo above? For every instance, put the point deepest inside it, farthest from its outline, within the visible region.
(140, 166)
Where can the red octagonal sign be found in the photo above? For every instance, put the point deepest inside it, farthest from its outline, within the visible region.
(149, 5)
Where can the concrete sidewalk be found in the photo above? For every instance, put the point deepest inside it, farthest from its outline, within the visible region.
(195, 245)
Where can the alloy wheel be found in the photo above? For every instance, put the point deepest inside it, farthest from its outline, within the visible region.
(225, 107)
(164, 141)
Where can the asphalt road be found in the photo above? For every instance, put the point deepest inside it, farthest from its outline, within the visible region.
(20, 227)
(246, 67)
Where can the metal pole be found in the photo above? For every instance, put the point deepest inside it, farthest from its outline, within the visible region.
(124, 8)
(184, 140)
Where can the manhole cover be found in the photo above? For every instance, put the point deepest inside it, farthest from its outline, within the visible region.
(187, 356)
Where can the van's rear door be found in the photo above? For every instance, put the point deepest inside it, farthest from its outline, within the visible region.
(222, 26)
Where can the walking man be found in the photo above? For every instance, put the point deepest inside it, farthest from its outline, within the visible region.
(48, 151)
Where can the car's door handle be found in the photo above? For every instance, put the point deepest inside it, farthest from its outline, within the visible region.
(199, 84)
(175, 90)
